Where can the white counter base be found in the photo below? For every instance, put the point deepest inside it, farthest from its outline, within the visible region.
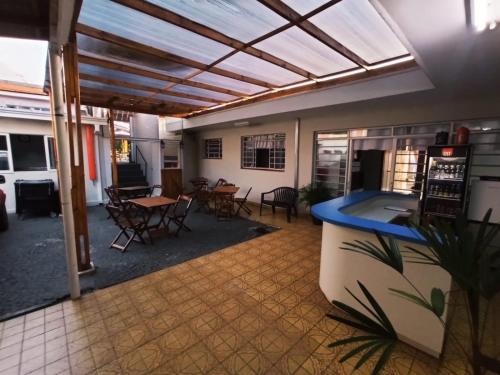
(340, 269)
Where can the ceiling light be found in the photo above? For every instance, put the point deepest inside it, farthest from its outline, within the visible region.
(239, 124)
(341, 75)
(389, 63)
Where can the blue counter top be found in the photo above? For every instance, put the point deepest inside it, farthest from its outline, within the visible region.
(331, 212)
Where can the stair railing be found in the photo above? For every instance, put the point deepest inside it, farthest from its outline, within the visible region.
(143, 162)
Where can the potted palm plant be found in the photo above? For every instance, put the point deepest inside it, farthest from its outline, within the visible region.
(314, 193)
(466, 253)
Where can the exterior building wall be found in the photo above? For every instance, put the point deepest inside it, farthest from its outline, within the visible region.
(415, 108)
(22, 126)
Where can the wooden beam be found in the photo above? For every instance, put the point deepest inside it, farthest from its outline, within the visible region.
(136, 86)
(138, 98)
(112, 141)
(91, 60)
(77, 165)
(292, 16)
(318, 85)
(178, 20)
(124, 42)
(122, 106)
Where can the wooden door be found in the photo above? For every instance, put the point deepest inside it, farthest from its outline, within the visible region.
(171, 181)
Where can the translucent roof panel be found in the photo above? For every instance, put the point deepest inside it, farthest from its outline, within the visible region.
(146, 94)
(131, 57)
(113, 88)
(121, 76)
(227, 83)
(202, 92)
(304, 6)
(241, 19)
(358, 26)
(301, 49)
(139, 27)
(183, 100)
(251, 66)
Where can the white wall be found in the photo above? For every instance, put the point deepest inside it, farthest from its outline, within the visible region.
(146, 126)
(229, 166)
(35, 127)
(403, 109)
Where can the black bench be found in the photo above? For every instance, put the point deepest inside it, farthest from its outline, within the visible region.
(284, 197)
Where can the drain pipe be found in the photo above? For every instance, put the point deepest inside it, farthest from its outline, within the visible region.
(297, 148)
(64, 167)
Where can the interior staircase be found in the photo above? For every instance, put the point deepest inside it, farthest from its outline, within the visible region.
(130, 174)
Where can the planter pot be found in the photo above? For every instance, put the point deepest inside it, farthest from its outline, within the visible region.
(316, 221)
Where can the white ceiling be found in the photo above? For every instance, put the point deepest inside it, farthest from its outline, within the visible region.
(457, 60)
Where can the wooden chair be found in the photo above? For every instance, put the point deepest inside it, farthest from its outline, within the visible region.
(180, 212)
(224, 205)
(130, 227)
(241, 202)
(220, 182)
(284, 197)
(153, 188)
(114, 197)
(203, 198)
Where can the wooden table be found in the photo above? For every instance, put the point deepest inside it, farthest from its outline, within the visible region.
(150, 205)
(224, 190)
(134, 191)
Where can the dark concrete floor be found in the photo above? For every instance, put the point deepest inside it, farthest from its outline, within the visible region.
(33, 263)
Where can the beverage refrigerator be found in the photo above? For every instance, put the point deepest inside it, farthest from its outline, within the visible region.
(446, 181)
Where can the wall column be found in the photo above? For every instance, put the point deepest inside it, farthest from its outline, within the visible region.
(296, 155)
(62, 137)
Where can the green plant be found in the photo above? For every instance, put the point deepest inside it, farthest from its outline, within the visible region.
(471, 261)
(312, 194)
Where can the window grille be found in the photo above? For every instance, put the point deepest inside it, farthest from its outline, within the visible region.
(213, 148)
(263, 151)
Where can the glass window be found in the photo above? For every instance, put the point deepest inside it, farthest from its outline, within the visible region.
(357, 25)
(430, 129)
(242, 20)
(263, 151)
(213, 148)
(4, 154)
(331, 161)
(151, 31)
(51, 152)
(28, 152)
(245, 64)
(301, 49)
(409, 168)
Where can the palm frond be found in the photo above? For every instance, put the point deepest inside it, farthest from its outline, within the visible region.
(388, 252)
(382, 334)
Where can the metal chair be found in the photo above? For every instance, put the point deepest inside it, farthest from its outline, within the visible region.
(241, 202)
(284, 197)
(130, 227)
(180, 212)
(154, 188)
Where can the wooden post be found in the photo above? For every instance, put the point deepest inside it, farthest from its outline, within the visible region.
(77, 166)
(63, 167)
(112, 141)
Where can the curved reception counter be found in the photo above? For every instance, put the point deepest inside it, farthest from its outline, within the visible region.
(357, 217)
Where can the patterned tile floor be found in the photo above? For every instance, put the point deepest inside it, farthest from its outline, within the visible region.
(253, 308)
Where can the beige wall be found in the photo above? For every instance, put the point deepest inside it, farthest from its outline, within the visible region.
(403, 109)
(229, 166)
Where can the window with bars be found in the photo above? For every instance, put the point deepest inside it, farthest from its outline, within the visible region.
(263, 151)
(213, 148)
(331, 161)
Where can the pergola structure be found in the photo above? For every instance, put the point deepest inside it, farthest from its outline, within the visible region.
(183, 58)
(187, 58)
